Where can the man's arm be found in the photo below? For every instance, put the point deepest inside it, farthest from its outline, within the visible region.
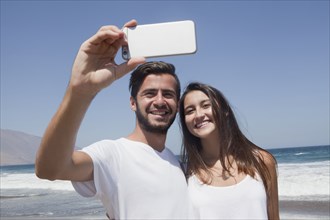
(56, 158)
(94, 69)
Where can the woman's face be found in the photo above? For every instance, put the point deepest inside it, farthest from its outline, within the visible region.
(198, 114)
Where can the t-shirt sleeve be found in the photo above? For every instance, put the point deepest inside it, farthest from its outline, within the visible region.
(104, 157)
(85, 189)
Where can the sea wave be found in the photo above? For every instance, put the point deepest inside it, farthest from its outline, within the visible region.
(31, 181)
(301, 153)
(296, 181)
(21, 195)
(304, 181)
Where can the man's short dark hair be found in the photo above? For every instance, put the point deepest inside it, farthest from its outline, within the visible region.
(156, 68)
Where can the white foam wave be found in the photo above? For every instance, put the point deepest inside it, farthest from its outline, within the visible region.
(30, 181)
(301, 153)
(306, 180)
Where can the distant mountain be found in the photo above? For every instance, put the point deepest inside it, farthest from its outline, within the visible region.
(17, 147)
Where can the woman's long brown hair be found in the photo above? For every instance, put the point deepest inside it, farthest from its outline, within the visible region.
(233, 142)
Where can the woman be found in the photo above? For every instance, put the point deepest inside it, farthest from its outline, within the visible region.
(229, 177)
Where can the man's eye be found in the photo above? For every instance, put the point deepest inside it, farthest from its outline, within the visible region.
(149, 94)
(169, 95)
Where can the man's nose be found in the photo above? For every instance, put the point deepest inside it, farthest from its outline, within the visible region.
(160, 100)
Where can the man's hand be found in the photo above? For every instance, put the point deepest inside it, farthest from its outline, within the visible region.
(93, 70)
(94, 67)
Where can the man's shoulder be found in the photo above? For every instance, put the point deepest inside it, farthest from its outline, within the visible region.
(102, 145)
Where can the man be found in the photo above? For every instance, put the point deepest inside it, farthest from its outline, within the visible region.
(135, 177)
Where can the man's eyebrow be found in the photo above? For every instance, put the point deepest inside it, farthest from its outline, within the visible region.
(155, 90)
(148, 90)
(169, 90)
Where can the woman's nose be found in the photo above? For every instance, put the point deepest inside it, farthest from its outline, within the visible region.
(199, 113)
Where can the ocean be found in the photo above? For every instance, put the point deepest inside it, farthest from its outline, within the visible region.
(303, 181)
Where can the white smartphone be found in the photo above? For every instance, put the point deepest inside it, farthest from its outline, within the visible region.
(161, 39)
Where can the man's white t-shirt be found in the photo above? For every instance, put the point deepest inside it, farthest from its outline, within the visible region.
(134, 181)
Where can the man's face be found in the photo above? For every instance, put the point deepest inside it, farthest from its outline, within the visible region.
(156, 103)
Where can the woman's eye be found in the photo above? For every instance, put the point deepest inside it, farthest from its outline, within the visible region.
(188, 112)
(206, 106)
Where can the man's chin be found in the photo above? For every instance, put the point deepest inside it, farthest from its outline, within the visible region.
(163, 126)
(158, 128)
(154, 124)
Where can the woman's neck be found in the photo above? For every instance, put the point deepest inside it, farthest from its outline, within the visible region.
(210, 150)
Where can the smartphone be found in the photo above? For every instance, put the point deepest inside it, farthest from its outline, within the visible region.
(161, 39)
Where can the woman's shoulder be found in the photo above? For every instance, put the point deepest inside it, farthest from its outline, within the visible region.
(267, 158)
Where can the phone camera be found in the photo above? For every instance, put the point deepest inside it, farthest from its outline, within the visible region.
(125, 53)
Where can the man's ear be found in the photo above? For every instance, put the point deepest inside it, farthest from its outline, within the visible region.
(132, 103)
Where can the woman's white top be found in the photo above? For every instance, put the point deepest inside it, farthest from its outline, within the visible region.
(244, 200)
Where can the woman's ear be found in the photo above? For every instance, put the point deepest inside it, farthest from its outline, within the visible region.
(132, 103)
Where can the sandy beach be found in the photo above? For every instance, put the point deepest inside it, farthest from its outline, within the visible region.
(304, 209)
(303, 191)
(289, 210)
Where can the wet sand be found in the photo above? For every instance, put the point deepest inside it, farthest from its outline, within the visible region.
(289, 210)
(304, 209)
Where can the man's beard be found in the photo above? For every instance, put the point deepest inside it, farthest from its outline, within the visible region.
(147, 126)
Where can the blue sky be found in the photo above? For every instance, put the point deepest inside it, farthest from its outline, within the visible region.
(269, 58)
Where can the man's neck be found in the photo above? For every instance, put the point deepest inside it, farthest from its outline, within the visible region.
(154, 140)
